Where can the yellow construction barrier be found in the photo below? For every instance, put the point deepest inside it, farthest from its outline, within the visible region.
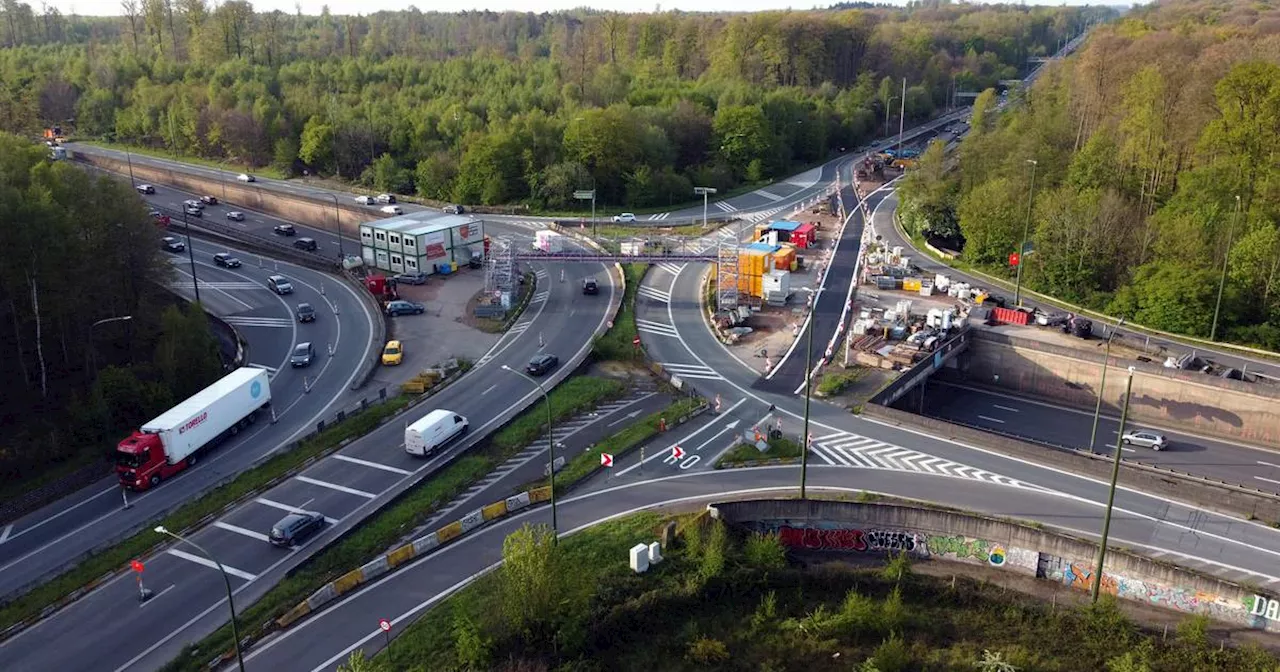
(400, 556)
(449, 532)
(494, 510)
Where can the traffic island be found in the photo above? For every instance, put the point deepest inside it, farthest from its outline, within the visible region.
(779, 450)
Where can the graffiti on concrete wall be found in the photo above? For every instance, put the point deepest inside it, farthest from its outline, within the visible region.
(819, 539)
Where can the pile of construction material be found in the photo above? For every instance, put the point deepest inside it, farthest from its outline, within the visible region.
(896, 338)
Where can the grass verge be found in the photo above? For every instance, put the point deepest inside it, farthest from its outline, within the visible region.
(835, 382)
(31, 603)
(733, 601)
(375, 535)
(618, 343)
(229, 167)
(745, 454)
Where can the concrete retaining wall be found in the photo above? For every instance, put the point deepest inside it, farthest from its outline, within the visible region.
(1185, 400)
(852, 527)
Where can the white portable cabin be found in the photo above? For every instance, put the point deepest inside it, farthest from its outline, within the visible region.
(421, 241)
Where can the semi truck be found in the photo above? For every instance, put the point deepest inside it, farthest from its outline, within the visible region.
(176, 440)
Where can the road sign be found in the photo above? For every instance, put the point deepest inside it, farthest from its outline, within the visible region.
(384, 625)
(810, 439)
(636, 341)
(1014, 258)
(606, 460)
(584, 195)
(677, 452)
(136, 565)
(700, 191)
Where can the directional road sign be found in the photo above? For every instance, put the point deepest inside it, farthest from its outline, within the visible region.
(606, 460)
(677, 452)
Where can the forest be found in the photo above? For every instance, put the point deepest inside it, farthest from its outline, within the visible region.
(1155, 189)
(80, 254)
(489, 108)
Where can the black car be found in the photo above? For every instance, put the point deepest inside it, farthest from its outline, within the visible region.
(295, 528)
(306, 313)
(589, 286)
(225, 260)
(308, 244)
(286, 230)
(401, 307)
(541, 364)
(173, 244)
(302, 355)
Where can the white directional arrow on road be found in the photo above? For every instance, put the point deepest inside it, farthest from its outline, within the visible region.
(666, 453)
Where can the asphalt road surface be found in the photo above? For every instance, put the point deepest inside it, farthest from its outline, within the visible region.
(1063, 426)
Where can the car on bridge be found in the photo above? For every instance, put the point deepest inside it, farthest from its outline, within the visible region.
(245, 177)
(365, 200)
(225, 260)
(145, 189)
(302, 355)
(209, 200)
(1145, 438)
(235, 216)
(295, 527)
(391, 210)
(285, 230)
(402, 307)
(541, 364)
(308, 244)
(589, 286)
(624, 218)
(454, 209)
(385, 199)
(280, 285)
(192, 210)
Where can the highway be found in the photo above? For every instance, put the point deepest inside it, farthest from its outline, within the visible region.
(109, 629)
(61, 532)
(1045, 422)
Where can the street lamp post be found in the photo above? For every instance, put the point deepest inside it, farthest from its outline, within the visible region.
(1213, 331)
(808, 380)
(703, 191)
(551, 444)
(128, 157)
(1102, 389)
(235, 630)
(191, 254)
(888, 115)
(902, 115)
(1111, 497)
(93, 351)
(337, 222)
(585, 194)
(1026, 230)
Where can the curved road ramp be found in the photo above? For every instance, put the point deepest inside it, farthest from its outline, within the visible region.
(842, 527)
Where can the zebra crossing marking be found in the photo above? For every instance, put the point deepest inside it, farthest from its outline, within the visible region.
(655, 294)
(540, 296)
(656, 328)
(768, 194)
(692, 371)
(851, 450)
(248, 321)
(673, 269)
(725, 206)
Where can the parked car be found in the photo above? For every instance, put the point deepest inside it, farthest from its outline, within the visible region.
(541, 364)
(302, 355)
(391, 210)
(280, 285)
(145, 189)
(306, 313)
(1145, 438)
(173, 244)
(286, 230)
(193, 211)
(365, 200)
(235, 216)
(589, 286)
(392, 354)
(385, 198)
(412, 278)
(295, 528)
(225, 260)
(209, 200)
(308, 244)
(454, 209)
(402, 307)
(245, 177)
(624, 218)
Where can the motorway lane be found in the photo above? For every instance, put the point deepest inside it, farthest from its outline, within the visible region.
(1063, 426)
(342, 487)
(63, 531)
(324, 640)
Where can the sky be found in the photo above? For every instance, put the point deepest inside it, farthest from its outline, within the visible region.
(112, 7)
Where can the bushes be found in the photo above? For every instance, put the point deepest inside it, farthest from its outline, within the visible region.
(617, 343)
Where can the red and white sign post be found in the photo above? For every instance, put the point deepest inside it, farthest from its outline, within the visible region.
(677, 452)
(137, 567)
(606, 460)
(385, 626)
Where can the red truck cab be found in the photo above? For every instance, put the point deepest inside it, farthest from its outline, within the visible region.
(141, 463)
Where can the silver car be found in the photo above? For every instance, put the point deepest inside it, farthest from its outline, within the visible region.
(1145, 438)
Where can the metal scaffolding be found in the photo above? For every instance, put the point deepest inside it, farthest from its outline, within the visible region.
(500, 275)
(727, 274)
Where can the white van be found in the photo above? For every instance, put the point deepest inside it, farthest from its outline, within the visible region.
(433, 430)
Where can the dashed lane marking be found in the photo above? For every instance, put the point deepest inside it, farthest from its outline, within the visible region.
(238, 573)
(371, 465)
(335, 486)
(240, 530)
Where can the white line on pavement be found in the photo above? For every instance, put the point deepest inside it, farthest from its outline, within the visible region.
(489, 389)
(1268, 464)
(1267, 480)
(157, 595)
(1005, 408)
(4, 535)
(990, 419)
(372, 465)
(239, 573)
(291, 509)
(335, 486)
(241, 530)
(661, 454)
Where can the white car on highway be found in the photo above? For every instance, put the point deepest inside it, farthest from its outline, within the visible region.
(392, 210)
(245, 177)
(235, 216)
(364, 200)
(625, 218)
(1145, 438)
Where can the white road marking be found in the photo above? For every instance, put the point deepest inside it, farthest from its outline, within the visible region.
(239, 573)
(624, 418)
(371, 465)
(1268, 464)
(489, 389)
(990, 419)
(157, 595)
(291, 509)
(241, 530)
(4, 535)
(1005, 408)
(655, 328)
(1267, 480)
(335, 486)
(661, 454)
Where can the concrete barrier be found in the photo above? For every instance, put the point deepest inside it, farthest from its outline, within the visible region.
(423, 545)
(1044, 553)
(517, 502)
(375, 568)
(471, 521)
(494, 510)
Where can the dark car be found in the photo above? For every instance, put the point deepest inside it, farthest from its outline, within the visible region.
(286, 230)
(589, 286)
(295, 527)
(306, 313)
(401, 307)
(454, 209)
(308, 244)
(412, 278)
(173, 244)
(209, 200)
(541, 364)
(302, 355)
(225, 260)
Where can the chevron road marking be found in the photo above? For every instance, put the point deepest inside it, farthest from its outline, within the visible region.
(768, 194)
(247, 321)
(660, 216)
(850, 450)
(541, 296)
(655, 294)
(656, 328)
(725, 206)
(291, 509)
(371, 465)
(241, 530)
(692, 371)
(673, 269)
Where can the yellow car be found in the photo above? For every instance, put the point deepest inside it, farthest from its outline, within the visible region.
(393, 354)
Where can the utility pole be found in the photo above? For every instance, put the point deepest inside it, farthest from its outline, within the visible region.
(191, 254)
(902, 116)
(1026, 230)
(1226, 258)
(1102, 389)
(1111, 497)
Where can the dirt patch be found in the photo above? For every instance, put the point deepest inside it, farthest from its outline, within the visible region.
(485, 324)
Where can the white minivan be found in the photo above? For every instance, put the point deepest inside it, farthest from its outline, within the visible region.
(432, 431)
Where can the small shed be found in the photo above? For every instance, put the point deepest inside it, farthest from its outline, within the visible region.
(804, 236)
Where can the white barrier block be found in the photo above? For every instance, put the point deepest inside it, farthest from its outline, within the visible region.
(655, 553)
(517, 502)
(640, 558)
(472, 520)
(423, 544)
